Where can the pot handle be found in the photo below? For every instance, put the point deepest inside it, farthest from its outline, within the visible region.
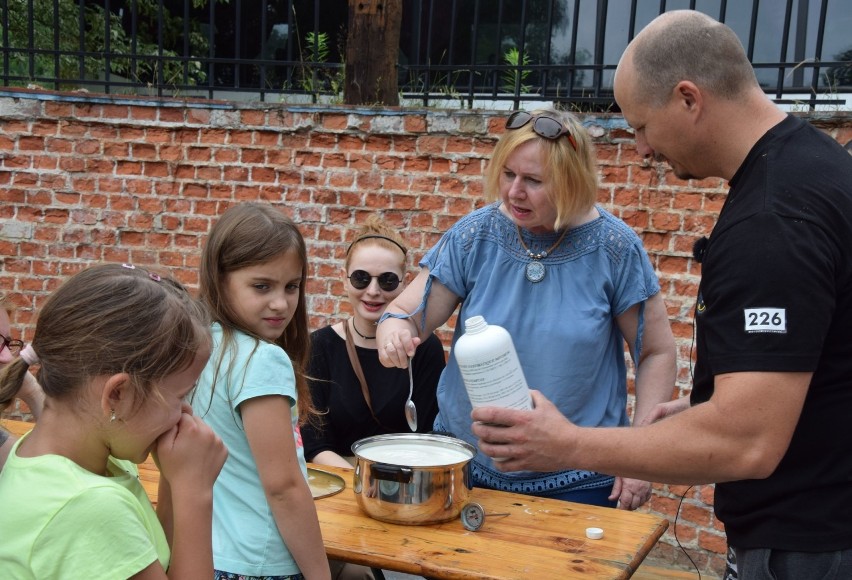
(389, 472)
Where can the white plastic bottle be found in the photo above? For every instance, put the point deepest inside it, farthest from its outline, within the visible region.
(490, 367)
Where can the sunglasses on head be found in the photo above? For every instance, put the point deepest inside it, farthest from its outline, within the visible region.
(546, 127)
(360, 279)
(14, 346)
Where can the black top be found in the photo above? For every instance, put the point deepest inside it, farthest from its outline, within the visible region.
(335, 389)
(776, 296)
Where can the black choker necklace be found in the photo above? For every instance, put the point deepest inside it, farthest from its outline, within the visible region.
(355, 328)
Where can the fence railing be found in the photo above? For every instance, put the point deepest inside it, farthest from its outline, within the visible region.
(452, 52)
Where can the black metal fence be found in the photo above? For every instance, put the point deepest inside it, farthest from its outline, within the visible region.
(452, 52)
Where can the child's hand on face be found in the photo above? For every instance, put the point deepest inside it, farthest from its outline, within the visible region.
(190, 454)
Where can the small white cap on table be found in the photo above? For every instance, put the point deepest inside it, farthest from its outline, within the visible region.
(594, 533)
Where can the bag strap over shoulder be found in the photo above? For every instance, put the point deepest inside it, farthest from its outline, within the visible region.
(356, 366)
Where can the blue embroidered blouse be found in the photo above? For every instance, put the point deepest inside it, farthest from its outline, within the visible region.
(563, 327)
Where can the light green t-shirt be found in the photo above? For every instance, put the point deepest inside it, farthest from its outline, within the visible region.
(58, 520)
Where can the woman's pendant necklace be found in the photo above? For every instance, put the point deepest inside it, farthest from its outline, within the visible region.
(535, 270)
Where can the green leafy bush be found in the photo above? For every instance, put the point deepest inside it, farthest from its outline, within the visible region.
(58, 50)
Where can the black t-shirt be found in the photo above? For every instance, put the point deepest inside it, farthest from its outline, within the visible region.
(336, 392)
(776, 296)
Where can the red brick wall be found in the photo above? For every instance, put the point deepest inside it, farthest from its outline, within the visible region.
(88, 178)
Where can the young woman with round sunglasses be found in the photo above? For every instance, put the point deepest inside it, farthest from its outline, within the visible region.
(568, 280)
(373, 275)
(355, 395)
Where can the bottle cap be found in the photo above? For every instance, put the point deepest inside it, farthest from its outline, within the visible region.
(594, 533)
(475, 324)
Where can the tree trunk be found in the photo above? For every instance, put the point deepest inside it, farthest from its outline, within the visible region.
(372, 47)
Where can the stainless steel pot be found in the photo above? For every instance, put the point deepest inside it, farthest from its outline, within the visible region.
(412, 478)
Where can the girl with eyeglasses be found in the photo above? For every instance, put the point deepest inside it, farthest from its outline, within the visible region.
(568, 280)
(374, 273)
(30, 391)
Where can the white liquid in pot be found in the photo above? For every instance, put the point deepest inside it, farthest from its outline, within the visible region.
(414, 455)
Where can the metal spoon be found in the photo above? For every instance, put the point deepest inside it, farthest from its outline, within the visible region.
(410, 409)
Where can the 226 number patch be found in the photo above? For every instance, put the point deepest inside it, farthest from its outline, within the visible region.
(765, 320)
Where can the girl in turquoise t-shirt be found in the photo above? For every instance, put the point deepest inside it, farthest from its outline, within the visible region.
(254, 395)
(118, 349)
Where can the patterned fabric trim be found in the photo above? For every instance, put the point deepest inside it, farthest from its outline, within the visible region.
(538, 484)
(219, 575)
(542, 485)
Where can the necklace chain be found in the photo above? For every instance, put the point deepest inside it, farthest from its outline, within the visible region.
(543, 254)
(358, 332)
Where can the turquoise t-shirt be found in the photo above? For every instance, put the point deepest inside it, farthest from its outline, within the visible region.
(563, 327)
(59, 520)
(245, 536)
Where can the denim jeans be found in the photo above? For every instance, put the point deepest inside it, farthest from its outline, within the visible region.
(597, 496)
(767, 564)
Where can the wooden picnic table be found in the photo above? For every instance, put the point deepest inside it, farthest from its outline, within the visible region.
(539, 538)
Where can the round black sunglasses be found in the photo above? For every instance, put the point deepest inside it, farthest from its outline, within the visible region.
(546, 127)
(360, 279)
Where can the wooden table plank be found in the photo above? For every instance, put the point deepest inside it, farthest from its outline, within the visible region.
(16, 427)
(540, 538)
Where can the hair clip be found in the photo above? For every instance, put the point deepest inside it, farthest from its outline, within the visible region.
(151, 275)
